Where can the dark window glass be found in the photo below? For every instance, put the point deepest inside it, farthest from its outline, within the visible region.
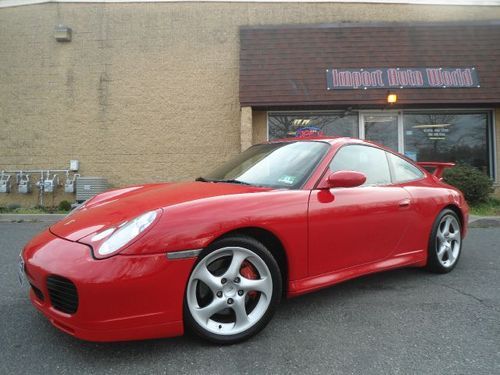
(448, 136)
(287, 125)
(403, 171)
(365, 159)
(382, 129)
(281, 165)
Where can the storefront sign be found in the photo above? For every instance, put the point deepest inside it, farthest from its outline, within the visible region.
(401, 78)
(436, 133)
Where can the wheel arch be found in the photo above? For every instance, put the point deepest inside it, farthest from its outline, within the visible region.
(270, 241)
(457, 211)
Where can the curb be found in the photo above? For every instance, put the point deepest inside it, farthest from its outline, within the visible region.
(30, 218)
(484, 221)
(474, 221)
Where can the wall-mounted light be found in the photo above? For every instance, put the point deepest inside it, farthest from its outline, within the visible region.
(392, 98)
(62, 33)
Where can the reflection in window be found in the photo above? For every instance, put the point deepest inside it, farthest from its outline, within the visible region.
(457, 137)
(281, 165)
(403, 171)
(370, 161)
(287, 125)
(382, 129)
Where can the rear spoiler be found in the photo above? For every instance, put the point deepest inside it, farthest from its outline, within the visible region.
(438, 167)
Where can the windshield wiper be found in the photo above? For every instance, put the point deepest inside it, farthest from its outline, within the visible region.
(230, 181)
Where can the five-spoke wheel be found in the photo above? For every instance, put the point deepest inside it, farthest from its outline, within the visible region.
(445, 243)
(232, 290)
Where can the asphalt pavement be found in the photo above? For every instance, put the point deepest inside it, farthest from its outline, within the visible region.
(399, 322)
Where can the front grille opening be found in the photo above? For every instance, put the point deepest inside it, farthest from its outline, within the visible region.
(38, 293)
(63, 294)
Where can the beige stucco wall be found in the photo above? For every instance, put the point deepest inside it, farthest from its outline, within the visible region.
(497, 144)
(246, 128)
(145, 91)
(259, 126)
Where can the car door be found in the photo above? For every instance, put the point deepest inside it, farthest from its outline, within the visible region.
(354, 226)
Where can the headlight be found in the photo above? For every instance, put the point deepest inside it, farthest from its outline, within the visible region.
(125, 234)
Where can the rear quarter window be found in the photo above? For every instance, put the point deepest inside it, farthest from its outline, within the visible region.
(403, 171)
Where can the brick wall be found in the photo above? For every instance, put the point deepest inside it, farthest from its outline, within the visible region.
(147, 91)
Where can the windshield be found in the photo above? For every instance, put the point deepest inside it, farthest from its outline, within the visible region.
(281, 165)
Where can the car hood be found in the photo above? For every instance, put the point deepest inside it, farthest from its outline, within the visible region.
(115, 207)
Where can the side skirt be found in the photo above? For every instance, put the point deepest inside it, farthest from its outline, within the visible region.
(297, 287)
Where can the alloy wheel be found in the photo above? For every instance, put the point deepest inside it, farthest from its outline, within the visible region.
(229, 290)
(448, 240)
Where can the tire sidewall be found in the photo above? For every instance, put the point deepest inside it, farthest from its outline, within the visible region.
(433, 263)
(261, 251)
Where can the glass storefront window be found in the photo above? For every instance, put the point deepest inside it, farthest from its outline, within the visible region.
(447, 136)
(428, 135)
(287, 125)
(382, 129)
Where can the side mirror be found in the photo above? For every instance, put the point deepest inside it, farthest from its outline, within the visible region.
(343, 179)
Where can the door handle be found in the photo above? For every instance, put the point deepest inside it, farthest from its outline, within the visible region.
(404, 203)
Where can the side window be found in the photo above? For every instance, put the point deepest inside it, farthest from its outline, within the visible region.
(403, 171)
(365, 159)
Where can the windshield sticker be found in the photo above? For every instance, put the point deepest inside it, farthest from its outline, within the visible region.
(289, 180)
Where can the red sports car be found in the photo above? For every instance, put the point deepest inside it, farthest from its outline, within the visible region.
(216, 255)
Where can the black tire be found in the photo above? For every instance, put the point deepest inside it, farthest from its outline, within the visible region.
(259, 250)
(434, 265)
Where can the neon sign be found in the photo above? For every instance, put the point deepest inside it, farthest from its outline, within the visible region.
(309, 131)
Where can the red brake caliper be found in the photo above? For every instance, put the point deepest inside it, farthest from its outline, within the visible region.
(248, 271)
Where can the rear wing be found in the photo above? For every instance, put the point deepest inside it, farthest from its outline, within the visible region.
(438, 167)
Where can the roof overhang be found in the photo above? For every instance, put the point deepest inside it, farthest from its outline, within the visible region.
(292, 66)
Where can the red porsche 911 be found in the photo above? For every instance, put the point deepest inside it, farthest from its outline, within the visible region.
(216, 255)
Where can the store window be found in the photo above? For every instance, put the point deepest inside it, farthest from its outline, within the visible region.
(382, 129)
(427, 135)
(448, 136)
(290, 124)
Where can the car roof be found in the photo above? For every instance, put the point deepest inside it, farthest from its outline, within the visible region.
(340, 141)
(328, 139)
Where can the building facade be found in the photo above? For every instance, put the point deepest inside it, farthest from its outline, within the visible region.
(163, 91)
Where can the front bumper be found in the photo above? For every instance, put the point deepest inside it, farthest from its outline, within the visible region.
(124, 297)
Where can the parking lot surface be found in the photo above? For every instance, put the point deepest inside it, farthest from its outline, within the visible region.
(399, 322)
